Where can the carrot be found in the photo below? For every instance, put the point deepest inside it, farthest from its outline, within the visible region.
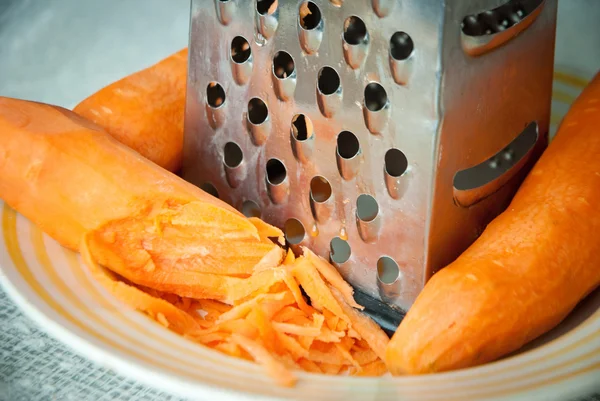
(529, 268)
(145, 110)
(333, 277)
(291, 345)
(289, 258)
(260, 354)
(310, 279)
(267, 231)
(372, 369)
(288, 328)
(364, 357)
(367, 328)
(330, 368)
(240, 311)
(309, 366)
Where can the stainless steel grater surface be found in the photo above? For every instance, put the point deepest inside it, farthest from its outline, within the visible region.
(382, 134)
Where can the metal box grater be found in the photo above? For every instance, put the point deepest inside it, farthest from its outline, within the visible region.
(382, 134)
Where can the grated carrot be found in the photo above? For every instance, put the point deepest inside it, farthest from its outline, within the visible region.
(367, 328)
(318, 291)
(258, 352)
(334, 277)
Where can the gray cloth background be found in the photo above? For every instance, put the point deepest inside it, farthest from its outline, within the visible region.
(60, 51)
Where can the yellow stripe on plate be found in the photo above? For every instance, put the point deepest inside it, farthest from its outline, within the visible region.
(570, 79)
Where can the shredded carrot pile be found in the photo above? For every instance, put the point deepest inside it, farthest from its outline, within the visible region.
(291, 313)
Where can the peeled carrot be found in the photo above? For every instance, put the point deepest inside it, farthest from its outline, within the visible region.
(144, 223)
(145, 110)
(529, 268)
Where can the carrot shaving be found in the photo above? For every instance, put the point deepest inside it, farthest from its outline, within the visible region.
(328, 354)
(292, 346)
(232, 349)
(289, 258)
(241, 310)
(353, 334)
(265, 329)
(288, 313)
(346, 354)
(329, 336)
(210, 337)
(330, 368)
(209, 304)
(372, 369)
(331, 320)
(267, 231)
(309, 366)
(363, 357)
(275, 368)
(295, 289)
(272, 307)
(368, 329)
(318, 291)
(297, 330)
(334, 277)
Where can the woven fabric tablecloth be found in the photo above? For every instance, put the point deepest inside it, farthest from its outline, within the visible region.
(94, 34)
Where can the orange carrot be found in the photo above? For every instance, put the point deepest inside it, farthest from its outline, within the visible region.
(367, 328)
(529, 268)
(240, 311)
(292, 346)
(310, 279)
(261, 355)
(145, 110)
(71, 178)
(332, 276)
(372, 369)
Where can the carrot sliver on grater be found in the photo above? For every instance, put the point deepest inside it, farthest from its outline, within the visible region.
(382, 134)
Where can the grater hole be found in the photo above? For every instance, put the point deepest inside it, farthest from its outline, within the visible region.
(240, 50)
(347, 145)
(283, 65)
(257, 111)
(328, 81)
(265, 7)
(302, 127)
(209, 189)
(340, 250)
(387, 270)
(215, 95)
(320, 189)
(375, 97)
(294, 231)
(233, 155)
(355, 30)
(401, 46)
(250, 209)
(498, 19)
(310, 15)
(395, 162)
(366, 208)
(276, 172)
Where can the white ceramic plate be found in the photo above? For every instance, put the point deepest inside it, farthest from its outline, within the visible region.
(53, 288)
